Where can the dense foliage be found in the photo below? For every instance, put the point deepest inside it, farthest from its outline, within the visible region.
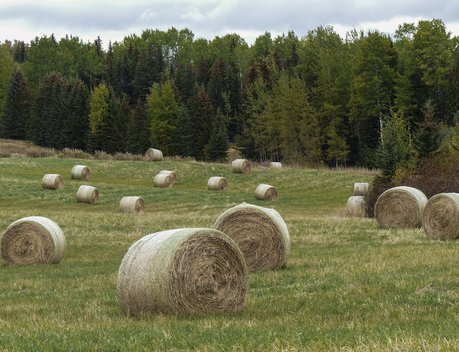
(316, 99)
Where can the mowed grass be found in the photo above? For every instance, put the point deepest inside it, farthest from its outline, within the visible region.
(348, 285)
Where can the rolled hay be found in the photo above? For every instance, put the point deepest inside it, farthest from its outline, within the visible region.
(217, 183)
(33, 240)
(190, 270)
(153, 154)
(360, 189)
(400, 207)
(441, 216)
(265, 192)
(275, 165)
(87, 194)
(163, 180)
(132, 204)
(81, 172)
(260, 233)
(170, 173)
(356, 206)
(52, 181)
(241, 166)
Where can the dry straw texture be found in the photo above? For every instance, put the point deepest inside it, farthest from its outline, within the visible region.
(52, 181)
(182, 271)
(400, 207)
(87, 194)
(260, 233)
(276, 165)
(33, 240)
(153, 154)
(169, 173)
(217, 183)
(132, 204)
(163, 180)
(360, 189)
(81, 172)
(241, 166)
(265, 192)
(356, 206)
(441, 216)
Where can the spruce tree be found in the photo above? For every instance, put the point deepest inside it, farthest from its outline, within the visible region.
(15, 123)
(217, 147)
(427, 137)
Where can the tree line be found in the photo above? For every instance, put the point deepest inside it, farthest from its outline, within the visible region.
(357, 100)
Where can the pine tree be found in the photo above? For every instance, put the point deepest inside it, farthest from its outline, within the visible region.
(15, 123)
(217, 147)
(427, 138)
(138, 129)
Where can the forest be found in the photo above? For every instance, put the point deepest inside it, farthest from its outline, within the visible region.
(369, 99)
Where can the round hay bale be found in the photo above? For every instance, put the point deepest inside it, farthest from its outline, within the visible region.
(87, 194)
(276, 165)
(182, 271)
(360, 189)
(441, 217)
(400, 207)
(170, 173)
(356, 206)
(265, 192)
(81, 172)
(153, 154)
(132, 204)
(241, 166)
(33, 240)
(260, 233)
(52, 181)
(217, 183)
(163, 180)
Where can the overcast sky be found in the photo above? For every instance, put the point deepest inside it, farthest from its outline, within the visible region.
(114, 19)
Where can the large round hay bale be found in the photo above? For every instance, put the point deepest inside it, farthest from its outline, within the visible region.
(182, 271)
(360, 189)
(241, 166)
(52, 181)
(400, 207)
(260, 233)
(356, 206)
(170, 173)
(153, 154)
(81, 172)
(441, 216)
(132, 204)
(33, 240)
(265, 192)
(275, 165)
(217, 183)
(87, 194)
(163, 180)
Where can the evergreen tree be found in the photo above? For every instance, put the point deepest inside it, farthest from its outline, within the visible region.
(427, 138)
(15, 123)
(138, 129)
(217, 147)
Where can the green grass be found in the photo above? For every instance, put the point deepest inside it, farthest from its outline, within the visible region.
(348, 285)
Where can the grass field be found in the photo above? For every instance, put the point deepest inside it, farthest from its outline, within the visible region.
(348, 286)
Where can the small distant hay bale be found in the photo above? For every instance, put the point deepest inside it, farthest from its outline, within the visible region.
(163, 180)
(241, 166)
(132, 204)
(441, 217)
(170, 173)
(53, 181)
(81, 172)
(400, 207)
(356, 206)
(360, 189)
(87, 194)
(217, 183)
(153, 154)
(182, 271)
(275, 165)
(265, 192)
(33, 240)
(260, 233)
